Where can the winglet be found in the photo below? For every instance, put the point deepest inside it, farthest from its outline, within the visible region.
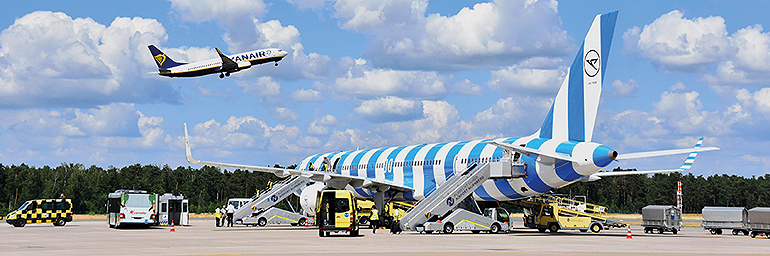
(188, 150)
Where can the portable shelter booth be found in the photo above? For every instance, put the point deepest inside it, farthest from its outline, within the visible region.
(663, 218)
(173, 208)
(717, 218)
(759, 221)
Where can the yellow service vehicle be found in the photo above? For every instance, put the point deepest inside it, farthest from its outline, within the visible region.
(56, 211)
(388, 214)
(553, 213)
(336, 211)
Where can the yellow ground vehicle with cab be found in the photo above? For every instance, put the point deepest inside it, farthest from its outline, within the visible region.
(336, 211)
(56, 211)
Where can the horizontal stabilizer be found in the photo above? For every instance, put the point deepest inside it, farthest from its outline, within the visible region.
(686, 166)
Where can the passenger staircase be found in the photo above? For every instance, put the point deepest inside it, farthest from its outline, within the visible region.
(278, 193)
(447, 197)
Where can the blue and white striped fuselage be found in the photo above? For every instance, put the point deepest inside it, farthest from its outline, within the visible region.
(424, 167)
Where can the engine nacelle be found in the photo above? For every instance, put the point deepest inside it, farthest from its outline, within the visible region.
(308, 197)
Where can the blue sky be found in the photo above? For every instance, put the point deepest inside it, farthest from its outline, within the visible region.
(75, 83)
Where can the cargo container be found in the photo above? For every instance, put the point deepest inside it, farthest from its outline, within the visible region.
(663, 218)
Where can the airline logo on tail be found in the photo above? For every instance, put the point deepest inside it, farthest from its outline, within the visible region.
(593, 60)
(160, 58)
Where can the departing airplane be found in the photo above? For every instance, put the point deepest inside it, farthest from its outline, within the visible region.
(560, 153)
(224, 65)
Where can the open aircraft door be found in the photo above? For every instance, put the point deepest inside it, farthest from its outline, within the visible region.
(184, 218)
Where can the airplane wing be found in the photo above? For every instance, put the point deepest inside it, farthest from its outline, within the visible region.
(355, 181)
(227, 63)
(686, 166)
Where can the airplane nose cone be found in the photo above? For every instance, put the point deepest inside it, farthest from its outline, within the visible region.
(603, 156)
(283, 53)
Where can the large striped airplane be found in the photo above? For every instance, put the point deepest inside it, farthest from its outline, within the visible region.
(561, 152)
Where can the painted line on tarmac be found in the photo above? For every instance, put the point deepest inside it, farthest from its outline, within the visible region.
(490, 251)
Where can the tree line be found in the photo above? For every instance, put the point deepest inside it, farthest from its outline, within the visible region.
(208, 187)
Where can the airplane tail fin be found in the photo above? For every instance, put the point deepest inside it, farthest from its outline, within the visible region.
(573, 113)
(163, 61)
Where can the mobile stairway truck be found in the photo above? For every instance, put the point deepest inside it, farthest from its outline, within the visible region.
(261, 210)
(441, 211)
(553, 213)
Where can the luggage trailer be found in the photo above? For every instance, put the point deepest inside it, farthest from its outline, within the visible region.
(715, 219)
(661, 218)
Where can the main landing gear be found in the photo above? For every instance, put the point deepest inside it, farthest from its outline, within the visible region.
(223, 75)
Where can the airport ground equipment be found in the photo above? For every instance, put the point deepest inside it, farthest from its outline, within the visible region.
(336, 211)
(759, 221)
(56, 211)
(173, 208)
(132, 207)
(663, 218)
(494, 220)
(388, 213)
(270, 198)
(715, 219)
(553, 213)
(275, 215)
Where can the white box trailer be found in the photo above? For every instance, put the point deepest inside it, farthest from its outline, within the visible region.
(275, 215)
(715, 219)
(759, 221)
(461, 219)
(173, 208)
(663, 218)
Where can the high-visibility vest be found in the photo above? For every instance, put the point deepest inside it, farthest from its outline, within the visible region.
(218, 213)
(375, 214)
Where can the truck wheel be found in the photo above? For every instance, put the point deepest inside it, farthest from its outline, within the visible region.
(354, 233)
(596, 227)
(713, 231)
(20, 223)
(541, 230)
(449, 228)
(660, 231)
(753, 234)
(60, 222)
(495, 229)
(429, 232)
(735, 232)
(320, 233)
(745, 232)
(475, 231)
(363, 221)
(301, 221)
(646, 230)
(675, 231)
(553, 228)
(262, 222)
(719, 231)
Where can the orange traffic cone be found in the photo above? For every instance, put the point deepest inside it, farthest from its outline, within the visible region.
(172, 227)
(628, 236)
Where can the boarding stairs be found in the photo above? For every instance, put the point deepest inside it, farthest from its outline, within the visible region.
(270, 198)
(447, 197)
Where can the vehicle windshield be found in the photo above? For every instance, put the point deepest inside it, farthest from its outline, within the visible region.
(488, 212)
(23, 205)
(137, 200)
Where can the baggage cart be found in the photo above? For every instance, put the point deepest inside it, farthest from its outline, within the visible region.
(661, 218)
(715, 219)
(759, 221)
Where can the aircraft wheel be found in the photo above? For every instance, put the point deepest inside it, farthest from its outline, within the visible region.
(276, 63)
(221, 75)
(449, 228)
(227, 74)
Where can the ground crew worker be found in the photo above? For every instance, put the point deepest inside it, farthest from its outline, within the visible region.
(257, 195)
(374, 219)
(218, 215)
(230, 212)
(326, 166)
(224, 216)
(311, 166)
(269, 184)
(396, 220)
